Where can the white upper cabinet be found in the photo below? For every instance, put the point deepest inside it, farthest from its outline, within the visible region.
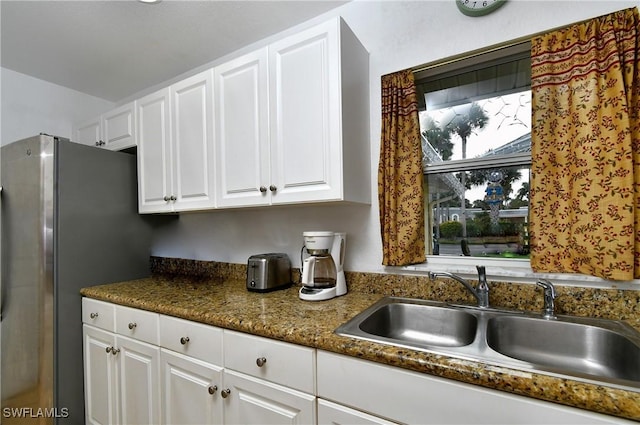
(319, 116)
(88, 132)
(193, 155)
(284, 121)
(114, 130)
(175, 147)
(118, 127)
(242, 132)
(154, 152)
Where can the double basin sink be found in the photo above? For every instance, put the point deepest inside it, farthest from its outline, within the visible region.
(596, 350)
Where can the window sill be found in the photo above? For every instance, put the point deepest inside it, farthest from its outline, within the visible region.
(507, 271)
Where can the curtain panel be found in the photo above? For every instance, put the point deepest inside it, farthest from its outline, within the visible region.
(400, 191)
(585, 153)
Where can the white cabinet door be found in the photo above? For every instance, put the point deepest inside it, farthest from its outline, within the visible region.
(254, 401)
(306, 136)
(88, 133)
(191, 390)
(192, 153)
(100, 378)
(432, 400)
(336, 414)
(118, 127)
(153, 131)
(138, 378)
(242, 134)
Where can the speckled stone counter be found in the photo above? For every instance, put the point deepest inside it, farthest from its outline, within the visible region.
(225, 302)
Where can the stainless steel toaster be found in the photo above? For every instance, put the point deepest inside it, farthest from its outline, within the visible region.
(267, 272)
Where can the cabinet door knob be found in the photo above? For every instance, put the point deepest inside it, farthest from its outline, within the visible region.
(225, 393)
(184, 340)
(93, 315)
(263, 189)
(113, 350)
(173, 198)
(213, 389)
(273, 188)
(166, 199)
(260, 361)
(132, 325)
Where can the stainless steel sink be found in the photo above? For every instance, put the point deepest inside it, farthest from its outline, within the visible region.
(567, 346)
(595, 350)
(421, 324)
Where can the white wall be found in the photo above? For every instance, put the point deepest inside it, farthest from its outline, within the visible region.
(398, 35)
(30, 106)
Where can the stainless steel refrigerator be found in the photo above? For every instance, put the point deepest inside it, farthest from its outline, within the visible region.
(69, 220)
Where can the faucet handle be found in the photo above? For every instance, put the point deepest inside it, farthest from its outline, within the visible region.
(549, 296)
(549, 289)
(482, 274)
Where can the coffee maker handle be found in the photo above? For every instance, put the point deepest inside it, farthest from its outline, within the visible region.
(308, 267)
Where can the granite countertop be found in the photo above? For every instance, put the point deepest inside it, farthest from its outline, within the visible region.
(283, 316)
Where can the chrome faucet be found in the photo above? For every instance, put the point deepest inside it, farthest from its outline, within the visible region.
(549, 310)
(481, 292)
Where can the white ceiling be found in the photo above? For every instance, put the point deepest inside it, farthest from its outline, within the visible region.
(114, 49)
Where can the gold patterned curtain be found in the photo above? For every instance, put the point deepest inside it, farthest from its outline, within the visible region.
(400, 192)
(585, 153)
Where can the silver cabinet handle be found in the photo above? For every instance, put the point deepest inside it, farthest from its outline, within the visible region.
(93, 315)
(113, 350)
(260, 361)
(273, 188)
(132, 325)
(213, 389)
(263, 189)
(225, 393)
(184, 340)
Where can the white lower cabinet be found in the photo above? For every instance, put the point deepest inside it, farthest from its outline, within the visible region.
(268, 381)
(121, 373)
(335, 414)
(253, 401)
(191, 390)
(121, 379)
(99, 377)
(144, 368)
(412, 398)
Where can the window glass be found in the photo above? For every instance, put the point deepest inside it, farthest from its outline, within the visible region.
(476, 137)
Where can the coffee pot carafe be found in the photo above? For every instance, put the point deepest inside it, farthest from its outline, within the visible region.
(322, 271)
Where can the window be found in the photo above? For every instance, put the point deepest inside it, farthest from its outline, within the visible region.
(475, 118)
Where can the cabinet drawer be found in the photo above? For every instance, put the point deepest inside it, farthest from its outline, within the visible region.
(138, 324)
(283, 363)
(203, 342)
(99, 314)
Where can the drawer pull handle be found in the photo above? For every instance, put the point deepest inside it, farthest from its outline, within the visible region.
(225, 393)
(132, 325)
(260, 361)
(213, 389)
(184, 340)
(93, 315)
